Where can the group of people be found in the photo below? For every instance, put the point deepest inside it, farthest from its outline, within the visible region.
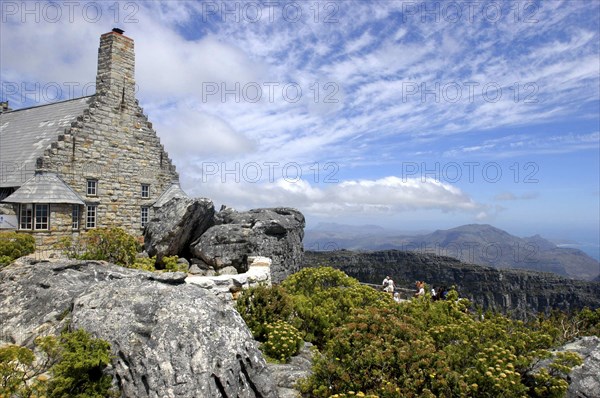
(389, 286)
(436, 294)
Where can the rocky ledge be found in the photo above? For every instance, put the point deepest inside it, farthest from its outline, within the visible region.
(168, 338)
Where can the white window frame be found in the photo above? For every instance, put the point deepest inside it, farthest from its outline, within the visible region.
(91, 187)
(145, 191)
(42, 217)
(75, 217)
(34, 216)
(144, 214)
(26, 214)
(91, 216)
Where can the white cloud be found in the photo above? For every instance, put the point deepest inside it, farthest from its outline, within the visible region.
(390, 195)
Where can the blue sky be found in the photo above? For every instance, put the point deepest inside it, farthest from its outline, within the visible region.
(411, 115)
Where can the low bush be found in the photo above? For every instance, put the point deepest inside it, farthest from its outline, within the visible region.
(323, 298)
(263, 305)
(71, 365)
(14, 245)
(437, 349)
(282, 341)
(114, 245)
(171, 264)
(371, 346)
(144, 263)
(110, 244)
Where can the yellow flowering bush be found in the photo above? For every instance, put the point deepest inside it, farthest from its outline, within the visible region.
(283, 341)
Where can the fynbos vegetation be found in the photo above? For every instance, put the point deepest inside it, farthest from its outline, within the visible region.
(369, 344)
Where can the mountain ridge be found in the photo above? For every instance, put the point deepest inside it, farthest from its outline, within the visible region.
(481, 244)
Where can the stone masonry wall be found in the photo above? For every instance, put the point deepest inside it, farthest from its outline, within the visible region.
(113, 143)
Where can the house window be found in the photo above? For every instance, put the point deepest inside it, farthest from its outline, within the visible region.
(144, 217)
(75, 217)
(26, 216)
(145, 191)
(34, 216)
(90, 221)
(92, 187)
(41, 216)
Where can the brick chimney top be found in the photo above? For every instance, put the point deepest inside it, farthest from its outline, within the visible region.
(119, 31)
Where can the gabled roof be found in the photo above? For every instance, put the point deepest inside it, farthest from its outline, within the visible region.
(26, 133)
(44, 187)
(174, 191)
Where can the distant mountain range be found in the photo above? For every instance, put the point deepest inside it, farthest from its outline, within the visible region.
(474, 243)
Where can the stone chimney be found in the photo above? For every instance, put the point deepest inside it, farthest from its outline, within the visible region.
(116, 68)
(4, 107)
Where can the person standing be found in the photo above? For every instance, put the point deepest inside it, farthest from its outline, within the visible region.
(385, 283)
(391, 286)
(420, 289)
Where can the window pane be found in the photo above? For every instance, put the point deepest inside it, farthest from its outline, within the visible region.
(91, 217)
(144, 216)
(75, 217)
(26, 216)
(92, 187)
(145, 191)
(41, 216)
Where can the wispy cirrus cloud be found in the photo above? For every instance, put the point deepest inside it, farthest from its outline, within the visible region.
(361, 85)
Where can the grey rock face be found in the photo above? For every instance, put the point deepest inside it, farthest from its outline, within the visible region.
(168, 338)
(175, 224)
(584, 379)
(276, 233)
(286, 375)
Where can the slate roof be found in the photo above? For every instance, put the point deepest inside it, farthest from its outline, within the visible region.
(44, 187)
(26, 133)
(174, 191)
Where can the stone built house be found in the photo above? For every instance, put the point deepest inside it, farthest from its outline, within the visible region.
(89, 162)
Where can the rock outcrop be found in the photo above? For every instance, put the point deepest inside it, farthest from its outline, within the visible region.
(220, 243)
(583, 379)
(276, 233)
(168, 338)
(518, 292)
(175, 224)
(286, 375)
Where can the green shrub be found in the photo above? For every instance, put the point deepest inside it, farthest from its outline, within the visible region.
(283, 341)
(79, 373)
(171, 264)
(69, 366)
(434, 349)
(145, 264)
(108, 244)
(14, 245)
(323, 299)
(262, 305)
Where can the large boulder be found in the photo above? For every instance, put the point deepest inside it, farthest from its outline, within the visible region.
(168, 338)
(175, 224)
(276, 233)
(584, 380)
